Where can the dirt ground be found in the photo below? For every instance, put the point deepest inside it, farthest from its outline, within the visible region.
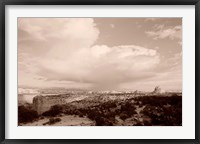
(67, 120)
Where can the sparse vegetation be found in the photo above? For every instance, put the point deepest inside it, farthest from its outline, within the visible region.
(163, 110)
(26, 114)
(136, 111)
(54, 111)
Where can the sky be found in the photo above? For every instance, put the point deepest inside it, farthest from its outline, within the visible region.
(100, 53)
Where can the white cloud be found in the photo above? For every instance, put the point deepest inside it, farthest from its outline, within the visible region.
(168, 75)
(74, 32)
(72, 55)
(161, 33)
(159, 26)
(101, 65)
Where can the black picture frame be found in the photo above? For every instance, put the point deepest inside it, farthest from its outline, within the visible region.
(3, 72)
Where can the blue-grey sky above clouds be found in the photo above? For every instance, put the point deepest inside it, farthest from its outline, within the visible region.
(100, 53)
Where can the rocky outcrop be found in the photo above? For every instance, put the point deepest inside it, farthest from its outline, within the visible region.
(44, 103)
(157, 90)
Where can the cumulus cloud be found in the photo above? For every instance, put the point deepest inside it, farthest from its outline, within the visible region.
(160, 32)
(167, 75)
(74, 32)
(101, 65)
(72, 54)
(158, 26)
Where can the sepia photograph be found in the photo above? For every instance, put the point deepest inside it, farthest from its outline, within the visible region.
(99, 71)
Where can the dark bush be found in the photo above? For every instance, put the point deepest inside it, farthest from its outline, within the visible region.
(147, 123)
(54, 111)
(123, 116)
(167, 116)
(101, 121)
(54, 120)
(138, 124)
(92, 114)
(80, 114)
(26, 115)
(128, 108)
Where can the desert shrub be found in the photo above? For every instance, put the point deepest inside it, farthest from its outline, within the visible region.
(138, 124)
(104, 114)
(123, 116)
(159, 101)
(80, 115)
(128, 108)
(83, 111)
(54, 111)
(70, 109)
(109, 104)
(54, 120)
(102, 117)
(147, 123)
(176, 101)
(41, 117)
(92, 114)
(168, 116)
(101, 121)
(26, 115)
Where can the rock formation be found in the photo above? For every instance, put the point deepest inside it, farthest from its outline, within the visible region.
(44, 103)
(157, 90)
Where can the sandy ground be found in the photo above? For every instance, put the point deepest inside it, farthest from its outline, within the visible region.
(67, 120)
(72, 120)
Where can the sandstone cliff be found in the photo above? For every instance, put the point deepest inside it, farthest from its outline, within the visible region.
(44, 103)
